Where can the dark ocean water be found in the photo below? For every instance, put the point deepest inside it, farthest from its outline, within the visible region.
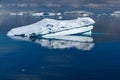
(50, 60)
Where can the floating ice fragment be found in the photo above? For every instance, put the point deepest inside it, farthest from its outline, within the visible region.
(116, 13)
(51, 27)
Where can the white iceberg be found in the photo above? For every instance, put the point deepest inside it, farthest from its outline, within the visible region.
(116, 13)
(43, 14)
(51, 27)
(79, 13)
(20, 13)
(62, 42)
(38, 14)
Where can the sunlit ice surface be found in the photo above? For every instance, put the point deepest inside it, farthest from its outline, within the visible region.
(50, 27)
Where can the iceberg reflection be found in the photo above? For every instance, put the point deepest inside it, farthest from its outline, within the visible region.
(62, 42)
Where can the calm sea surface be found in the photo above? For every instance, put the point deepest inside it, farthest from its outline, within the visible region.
(44, 59)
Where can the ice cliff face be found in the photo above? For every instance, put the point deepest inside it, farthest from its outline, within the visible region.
(50, 26)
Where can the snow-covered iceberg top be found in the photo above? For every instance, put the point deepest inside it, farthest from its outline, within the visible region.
(52, 27)
(62, 42)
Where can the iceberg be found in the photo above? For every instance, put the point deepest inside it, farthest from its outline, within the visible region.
(50, 27)
(116, 13)
(79, 13)
(43, 14)
(61, 42)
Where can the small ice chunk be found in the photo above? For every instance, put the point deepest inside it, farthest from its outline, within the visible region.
(23, 70)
